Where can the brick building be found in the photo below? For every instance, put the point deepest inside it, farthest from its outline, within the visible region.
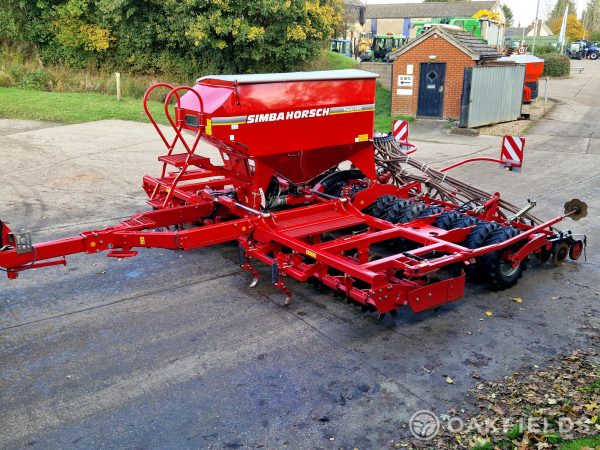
(427, 79)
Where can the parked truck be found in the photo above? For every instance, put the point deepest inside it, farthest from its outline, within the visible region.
(583, 49)
(485, 29)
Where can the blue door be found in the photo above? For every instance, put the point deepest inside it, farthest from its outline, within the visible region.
(431, 90)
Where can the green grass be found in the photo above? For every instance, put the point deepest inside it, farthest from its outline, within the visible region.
(338, 62)
(577, 444)
(483, 446)
(71, 107)
(76, 107)
(383, 118)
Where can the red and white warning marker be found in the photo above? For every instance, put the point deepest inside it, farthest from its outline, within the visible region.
(400, 130)
(512, 152)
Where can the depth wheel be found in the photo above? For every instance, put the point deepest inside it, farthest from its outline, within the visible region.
(498, 273)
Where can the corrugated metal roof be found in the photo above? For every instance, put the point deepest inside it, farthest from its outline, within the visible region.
(477, 48)
(348, 74)
(425, 10)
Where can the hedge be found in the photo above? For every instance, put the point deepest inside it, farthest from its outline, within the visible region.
(556, 65)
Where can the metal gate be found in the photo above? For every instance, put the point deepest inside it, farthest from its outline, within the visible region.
(491, 95)
(431, 90)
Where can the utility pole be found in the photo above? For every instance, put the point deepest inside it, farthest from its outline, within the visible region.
(535, 24)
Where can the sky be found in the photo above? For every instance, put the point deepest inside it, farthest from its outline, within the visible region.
(524, 10)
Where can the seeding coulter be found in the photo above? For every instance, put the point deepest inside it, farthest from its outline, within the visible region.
(306, 187)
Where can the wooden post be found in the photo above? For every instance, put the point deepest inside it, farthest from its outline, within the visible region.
(118, 78)
(545, 93)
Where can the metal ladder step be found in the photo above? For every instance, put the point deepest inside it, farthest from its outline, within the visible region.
(179, 159)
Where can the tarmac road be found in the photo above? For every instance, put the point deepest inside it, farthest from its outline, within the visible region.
(173, 350)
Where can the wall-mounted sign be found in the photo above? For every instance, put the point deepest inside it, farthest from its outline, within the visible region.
(404, 92)
(405, 81)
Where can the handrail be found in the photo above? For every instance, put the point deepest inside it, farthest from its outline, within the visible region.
(174, 125)
(151, 117)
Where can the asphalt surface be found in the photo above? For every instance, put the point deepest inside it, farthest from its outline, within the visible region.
(174, 350)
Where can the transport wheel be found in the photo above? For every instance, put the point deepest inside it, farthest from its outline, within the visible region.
(500, 274)
(378, 208)
(446, 220)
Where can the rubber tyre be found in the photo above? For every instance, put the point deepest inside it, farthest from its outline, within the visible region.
(594, 56)
(404, 211)
(480, 233)
(393, 212)
(498, 274)
(465, 221)
(431, 210)
(446, 220)
(378, 208)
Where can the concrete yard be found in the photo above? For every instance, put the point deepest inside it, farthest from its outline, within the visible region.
(174, 350)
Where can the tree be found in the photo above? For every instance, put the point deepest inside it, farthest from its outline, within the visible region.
(559, 10)
(508, 13)
(575, 29)
(591, 17)
(185, 38)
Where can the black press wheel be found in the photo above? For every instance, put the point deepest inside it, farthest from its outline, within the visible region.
(403, 211)
(498, 273)
(378, 208)
(446, 219)
(431, 210)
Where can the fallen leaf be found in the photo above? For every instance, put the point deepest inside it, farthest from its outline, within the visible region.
(555, 297)
(469, 333)
(552, 401)
(449, 380)
(489, 313)
(516, 299)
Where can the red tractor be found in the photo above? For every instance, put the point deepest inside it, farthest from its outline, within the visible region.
(306, 188)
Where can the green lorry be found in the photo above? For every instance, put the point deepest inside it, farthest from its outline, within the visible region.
(488, 30)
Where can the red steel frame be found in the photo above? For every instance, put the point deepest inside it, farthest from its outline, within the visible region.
(195, 206)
